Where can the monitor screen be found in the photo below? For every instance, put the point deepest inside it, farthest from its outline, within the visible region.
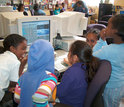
(34, 30)
(36, 27)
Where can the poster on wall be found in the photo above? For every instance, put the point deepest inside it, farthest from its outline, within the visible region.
(26, 2)
(44, 2)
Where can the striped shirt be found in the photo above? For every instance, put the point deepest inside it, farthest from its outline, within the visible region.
(41, 96)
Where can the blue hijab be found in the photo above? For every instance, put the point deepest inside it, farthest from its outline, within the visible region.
(40, 59)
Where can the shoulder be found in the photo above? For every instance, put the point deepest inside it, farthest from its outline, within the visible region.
(77, 67)
(9, 57)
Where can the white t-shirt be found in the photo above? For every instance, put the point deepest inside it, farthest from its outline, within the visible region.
(9, 70)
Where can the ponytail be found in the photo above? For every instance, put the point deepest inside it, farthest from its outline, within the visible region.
(84, 54)
(91, 68)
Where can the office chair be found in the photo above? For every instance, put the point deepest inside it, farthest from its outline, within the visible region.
(97, 85)
(104, 19)
(96, 26)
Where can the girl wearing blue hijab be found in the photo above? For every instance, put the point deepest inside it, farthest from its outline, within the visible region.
(35, 85)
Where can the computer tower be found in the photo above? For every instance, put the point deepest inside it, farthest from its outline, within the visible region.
(104, 9)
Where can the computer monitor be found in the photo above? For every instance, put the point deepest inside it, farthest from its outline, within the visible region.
(35, 27)
(6, 8)
(8, 23)
(70, 23)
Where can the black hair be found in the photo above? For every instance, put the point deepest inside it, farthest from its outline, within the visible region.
(57, 5)
(11, 40)
(63, 3)
(20, 6)
(36, 7)
(118, 24)
(79, 2)
(94, 31)
(84, 54)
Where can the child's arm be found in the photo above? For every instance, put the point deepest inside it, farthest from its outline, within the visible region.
(12, 86)
(99, 45)
(45, 90)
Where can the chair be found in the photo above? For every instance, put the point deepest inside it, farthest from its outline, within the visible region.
(97, 85)
(104, 19)
(96, 26)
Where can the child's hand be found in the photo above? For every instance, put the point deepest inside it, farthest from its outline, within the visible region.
(24, 60)
(66, 61)
(12, 90)
(103, 34)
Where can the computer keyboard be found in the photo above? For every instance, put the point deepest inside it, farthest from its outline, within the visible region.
(59, 66)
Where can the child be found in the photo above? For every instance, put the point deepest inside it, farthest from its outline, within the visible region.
(35, 85)
(37, 11)
(10, 68)
(79, 7)
(114, 90)
(92, 37)
(21, 9)
(73, 86)
(57, 9)
(63, 8)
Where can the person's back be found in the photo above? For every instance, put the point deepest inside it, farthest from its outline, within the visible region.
(73, 86)
(35, 85)
(113, 53)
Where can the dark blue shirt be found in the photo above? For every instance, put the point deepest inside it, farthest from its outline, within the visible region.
(72, 89)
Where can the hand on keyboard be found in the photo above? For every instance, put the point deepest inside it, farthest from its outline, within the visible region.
(59, 66)
(66, 62)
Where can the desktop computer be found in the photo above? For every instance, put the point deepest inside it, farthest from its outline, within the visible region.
(66, 42)
(69, 25)
(8, 24)
(6, 8)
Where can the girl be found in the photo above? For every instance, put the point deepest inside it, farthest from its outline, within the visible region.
(114, 90)
(57, 9)
(35, 85)
(73, 86)
(92, 37)
(10, 68)
(21, 8)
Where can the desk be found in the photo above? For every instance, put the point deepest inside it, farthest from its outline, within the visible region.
(60, 55)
